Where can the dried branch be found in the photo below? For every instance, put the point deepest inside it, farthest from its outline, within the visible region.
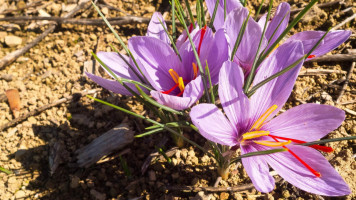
(335, 58)
(346, 82)
(89, 22)
(33, 4)
(45, 107)
(153, 155)
(321, 5)
(310, 72)
(11, 57)
(213, 189)
(344, 22)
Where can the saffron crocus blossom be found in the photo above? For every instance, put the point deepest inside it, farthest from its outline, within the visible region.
(275, 27)
(248, 47)
(251, 126)
(120, 64)
(177, 83)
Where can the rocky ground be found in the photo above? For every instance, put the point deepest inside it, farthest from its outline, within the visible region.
(53, 69)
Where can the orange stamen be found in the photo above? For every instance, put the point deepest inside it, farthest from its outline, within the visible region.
(174, 75)
(311, 56)
(259, 122)
(254, 134)
(195, 70)
(271, 144)
(181, 84)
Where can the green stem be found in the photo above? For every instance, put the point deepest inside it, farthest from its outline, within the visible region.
(254, 65)
(211, 25)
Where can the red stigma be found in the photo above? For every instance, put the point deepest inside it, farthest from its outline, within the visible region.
(315, 146)
(311, 56)
(170, 90)
(203, 30)
(190, 30)
(317, 174)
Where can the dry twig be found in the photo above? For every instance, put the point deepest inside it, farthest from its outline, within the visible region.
(11, 57)
(154, 154)
(213, 189)
(346, 82)
(344, 22)
(45, 107)
(89, 22)
(33, 4)
(335, 58)
(309, 72)
(322, 5)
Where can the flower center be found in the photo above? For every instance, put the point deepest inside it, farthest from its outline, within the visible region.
(255, 133)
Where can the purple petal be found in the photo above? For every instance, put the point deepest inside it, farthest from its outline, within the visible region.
(258, 170)
(277, 91)
(307, 122)
(219, 17)
(288, 167)
(194, 88)
(117, 65)
(332, 40)
(183, 38)
(187, 53)
(111, 85)
(234, 101)
(217, 54)
(246, 52)
(156, 57)
(262, 21)
(280, 17)
(192, 93)
(213, 125)
(155, 28)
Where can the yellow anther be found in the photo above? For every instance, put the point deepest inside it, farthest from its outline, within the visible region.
(259, 122)
(174, 75)
(195, 70)
(181, 84)
(254, 134)
(272, 144)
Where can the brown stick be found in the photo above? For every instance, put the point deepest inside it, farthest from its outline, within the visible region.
(309, 72)
(89, 22)
(43, 108)
(11, 57)
(322, 5)
(344, 22)
(348, 76)
(335, 58)
(213, 189)
(154, 154)
(33, 4)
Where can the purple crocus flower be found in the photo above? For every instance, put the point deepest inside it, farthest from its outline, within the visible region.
(251, 125)
(176, 82)
(236, 14)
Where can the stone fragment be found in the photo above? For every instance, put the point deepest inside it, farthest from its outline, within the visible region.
(74, 183)
(97, 195)
(12, 41)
